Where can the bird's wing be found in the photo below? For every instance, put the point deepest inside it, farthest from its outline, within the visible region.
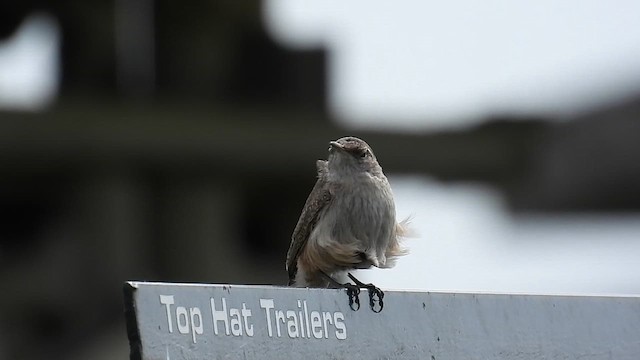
(318, 199)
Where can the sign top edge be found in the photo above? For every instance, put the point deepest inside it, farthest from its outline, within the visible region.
(138, 284)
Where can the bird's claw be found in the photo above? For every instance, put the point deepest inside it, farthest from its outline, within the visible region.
(374, 292)
(353, 292)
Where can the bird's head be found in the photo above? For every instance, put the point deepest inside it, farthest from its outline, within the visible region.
(350, 155)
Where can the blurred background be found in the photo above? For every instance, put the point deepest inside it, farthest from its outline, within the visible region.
(158, 140)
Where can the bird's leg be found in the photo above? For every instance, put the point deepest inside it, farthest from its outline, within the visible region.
(374, 292)
(353, 291)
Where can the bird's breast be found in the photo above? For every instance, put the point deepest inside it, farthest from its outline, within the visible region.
(363, 211)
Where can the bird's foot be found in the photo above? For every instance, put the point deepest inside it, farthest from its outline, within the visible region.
(375, 294)
(353, 291)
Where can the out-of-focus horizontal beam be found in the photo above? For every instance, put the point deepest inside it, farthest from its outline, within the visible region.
(235, 139)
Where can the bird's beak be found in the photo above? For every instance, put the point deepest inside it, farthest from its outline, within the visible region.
(336, 145)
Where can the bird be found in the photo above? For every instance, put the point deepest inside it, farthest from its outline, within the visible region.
(348, 222)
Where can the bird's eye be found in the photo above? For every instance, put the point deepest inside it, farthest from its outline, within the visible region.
(364, 154)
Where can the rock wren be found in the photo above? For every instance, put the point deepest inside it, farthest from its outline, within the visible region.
(348, 221)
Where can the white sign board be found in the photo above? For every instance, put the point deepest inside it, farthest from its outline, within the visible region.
(201, 321)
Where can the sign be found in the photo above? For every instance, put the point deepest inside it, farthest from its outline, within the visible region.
(198, 321)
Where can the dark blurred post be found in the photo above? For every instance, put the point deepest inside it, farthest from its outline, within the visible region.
(135, 47)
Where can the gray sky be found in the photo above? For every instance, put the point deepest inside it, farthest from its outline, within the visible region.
(430, 65)
(29, 64)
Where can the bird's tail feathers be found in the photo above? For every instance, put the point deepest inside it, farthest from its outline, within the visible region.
(404, 229)
(397, 248)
